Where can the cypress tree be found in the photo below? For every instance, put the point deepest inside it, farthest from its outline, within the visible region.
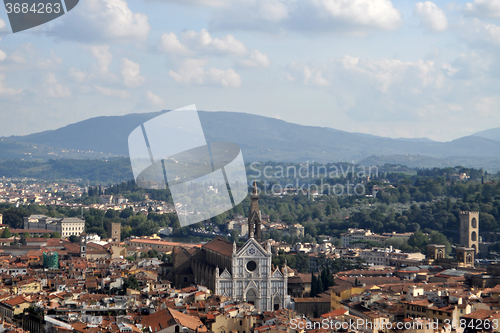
(313, 285)
(319, 286)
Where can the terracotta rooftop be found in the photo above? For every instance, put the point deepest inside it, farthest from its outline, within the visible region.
(334, 313)
(483, 314)
(220, 245)
(160, 242)
(166, 318)
(16, 301)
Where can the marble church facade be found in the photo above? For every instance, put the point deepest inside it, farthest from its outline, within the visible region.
(245, 274)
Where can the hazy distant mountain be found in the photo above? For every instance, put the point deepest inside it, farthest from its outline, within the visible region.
(401, 139)
(416, 139)
(263, 139)
(101, 134)
(492, 134)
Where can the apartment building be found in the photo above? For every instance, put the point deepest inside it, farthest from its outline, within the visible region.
(65, 226)
(387, 256)
(359, 235)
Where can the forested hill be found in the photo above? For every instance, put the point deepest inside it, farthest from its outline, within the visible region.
(426, 201)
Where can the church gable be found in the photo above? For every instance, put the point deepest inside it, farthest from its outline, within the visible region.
(252, 285)
(277, 274)
(225, 274)
(252, 249)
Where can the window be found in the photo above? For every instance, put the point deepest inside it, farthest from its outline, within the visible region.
(251, 266)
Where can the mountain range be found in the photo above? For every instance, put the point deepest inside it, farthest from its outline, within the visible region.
(262, 139)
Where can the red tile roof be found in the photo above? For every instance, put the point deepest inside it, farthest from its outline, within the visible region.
(169, 317)
(220, 245)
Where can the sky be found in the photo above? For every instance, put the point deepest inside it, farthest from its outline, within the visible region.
(390, 68)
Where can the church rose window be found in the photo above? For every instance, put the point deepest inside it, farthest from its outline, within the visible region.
(251, 265)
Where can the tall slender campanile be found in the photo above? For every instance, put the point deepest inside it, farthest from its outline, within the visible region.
(254, 219)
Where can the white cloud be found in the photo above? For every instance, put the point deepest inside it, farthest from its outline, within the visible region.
(490, 33)
(2, 24)
(256, 59)
(483, 8)
(227, 78)
(169, 43)
(103, 20)
(154, 100)
(431, 17)
(374, 13)
(5, 90)
(55, 89)
(103, 56)
(32, 57)
(131, 73)
(202, 42)
(78, 75)
(118, 93)
(311, 74)
(390, 73)
(314, 77)
(208, 3)
(338, 16)
(3, 55)
(192, 72)
(51, 62)
(386, 90)
(481, 35)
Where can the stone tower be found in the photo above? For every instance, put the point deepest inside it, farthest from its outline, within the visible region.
(83, 245)
(435, 252)
(465, 257)
(254, 219)
(469, 230)
(114, 231)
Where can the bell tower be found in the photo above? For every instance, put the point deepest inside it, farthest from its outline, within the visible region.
(254, 218)
(469, 230)
(83, 245)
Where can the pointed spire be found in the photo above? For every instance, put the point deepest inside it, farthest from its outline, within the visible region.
(254, 219)
(234, 247)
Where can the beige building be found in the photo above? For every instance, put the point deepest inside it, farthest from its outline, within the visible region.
(65, 226)
(357, 235)
(229, 324)
(446, 312)
(14, 306)
(26, 287)
(387, 256)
